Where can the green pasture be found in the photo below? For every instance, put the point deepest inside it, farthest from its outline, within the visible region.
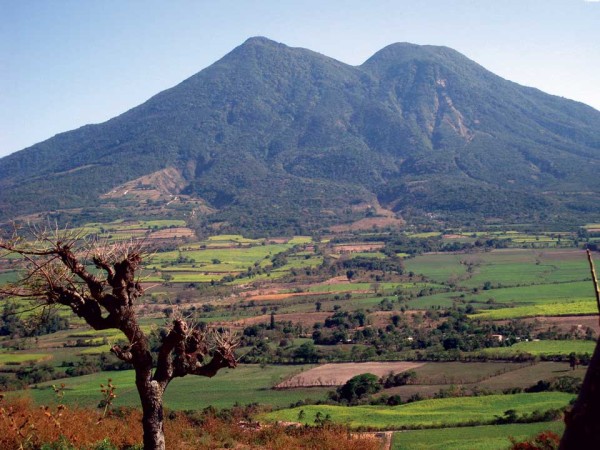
(186, 277)
(443, 299)
(485, 437)
(9, 276)
(437, 267)
(373, 255)
(20, 358)
(96, 350)
(563, 347)
(295, 262)
(341, 287)
(428, 413)
(162, 223)
(362, 286)
(243, 385)
(235, 238)
(543, 293)
(425, 235)
(536, 294)
(507, 267)
(239, 258)
(583, 307)
(299, 240)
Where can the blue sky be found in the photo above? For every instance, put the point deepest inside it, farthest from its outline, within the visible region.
(66, 63)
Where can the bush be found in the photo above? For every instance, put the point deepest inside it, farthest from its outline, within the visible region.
(358, 387)
(546, 440)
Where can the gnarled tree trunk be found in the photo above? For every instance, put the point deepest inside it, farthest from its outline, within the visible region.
(151, 395)
(582, 430)
(58, 273)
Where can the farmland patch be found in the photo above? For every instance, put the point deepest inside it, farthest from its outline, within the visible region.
(338, 374)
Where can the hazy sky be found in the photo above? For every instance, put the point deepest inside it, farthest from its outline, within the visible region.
(66, 63)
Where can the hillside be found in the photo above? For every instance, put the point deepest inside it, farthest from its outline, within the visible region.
(273, 137)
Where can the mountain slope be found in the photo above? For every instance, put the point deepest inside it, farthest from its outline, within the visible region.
(277, 137)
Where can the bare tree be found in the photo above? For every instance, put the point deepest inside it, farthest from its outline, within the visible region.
(56, 273)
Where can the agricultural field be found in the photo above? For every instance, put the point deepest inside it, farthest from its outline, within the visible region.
(244, 385)
(376, 308)
(14, 359)
(554, 347)
(569, 308)
(338, 374)
(436, 413)
(485, 437)
(491, 377)
(506, 267)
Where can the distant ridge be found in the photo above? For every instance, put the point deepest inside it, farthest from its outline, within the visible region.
(280, 138)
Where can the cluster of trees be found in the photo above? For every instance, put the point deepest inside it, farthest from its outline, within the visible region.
(16, 325)
(446, 335)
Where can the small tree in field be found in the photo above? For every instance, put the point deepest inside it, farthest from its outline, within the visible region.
(57, 272)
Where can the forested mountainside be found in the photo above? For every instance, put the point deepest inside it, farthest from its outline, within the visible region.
(276, 136)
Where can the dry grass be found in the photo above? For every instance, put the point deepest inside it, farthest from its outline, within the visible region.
(24, 426)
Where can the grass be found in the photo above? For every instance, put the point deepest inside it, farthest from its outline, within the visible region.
(9, 276)
(238, 258)
(461, 372)
(493, 377)
(20, 358)
(162, 223)
(428, 413)
(300, 240)
(544, 348)
(245, 384)
(583, 307)
(236, 238)
(536, 294)
(486, 437)
(506, 267)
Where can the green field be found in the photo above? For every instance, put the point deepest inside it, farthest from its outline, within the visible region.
(243, 385)
(541, 294)
(20, 358)
(583, 307)
(428, 413)
(486, 437)
(505, 267)
(544, 348)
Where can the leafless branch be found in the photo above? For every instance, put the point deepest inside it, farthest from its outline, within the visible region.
(594, 280)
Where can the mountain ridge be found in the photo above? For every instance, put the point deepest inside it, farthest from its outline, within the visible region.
(270, 128)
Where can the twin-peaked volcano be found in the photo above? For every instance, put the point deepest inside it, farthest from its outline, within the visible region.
(270, 136)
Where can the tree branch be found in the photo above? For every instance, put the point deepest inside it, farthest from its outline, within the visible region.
(594, 280)
(122, 354)
(73, 264)
(173, 341)
(196, 348)
(219, 361)
(86, 308)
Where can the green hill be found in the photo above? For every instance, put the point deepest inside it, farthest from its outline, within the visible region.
(273, 137)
